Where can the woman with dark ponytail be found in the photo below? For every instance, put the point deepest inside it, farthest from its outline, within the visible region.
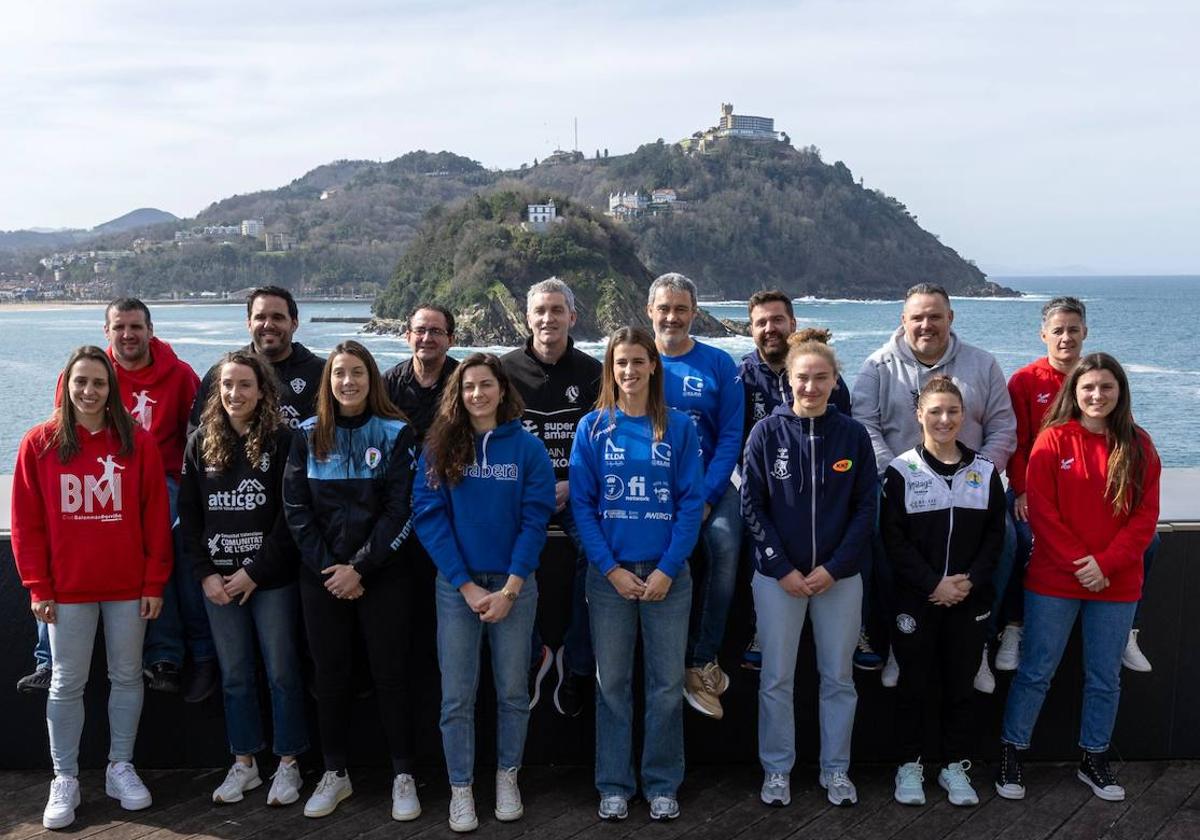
(1092, 483)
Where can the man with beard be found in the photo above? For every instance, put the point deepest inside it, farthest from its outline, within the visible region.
(272, 318)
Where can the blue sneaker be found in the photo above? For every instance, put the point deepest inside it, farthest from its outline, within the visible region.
(752, 655)
(865, 657)
(957, 784)
(910, 784)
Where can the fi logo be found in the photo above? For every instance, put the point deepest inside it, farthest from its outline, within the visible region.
(91, 493)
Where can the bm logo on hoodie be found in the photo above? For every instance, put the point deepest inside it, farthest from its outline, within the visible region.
(91, 496)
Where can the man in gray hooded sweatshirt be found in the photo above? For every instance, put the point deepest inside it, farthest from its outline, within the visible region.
(884, 399)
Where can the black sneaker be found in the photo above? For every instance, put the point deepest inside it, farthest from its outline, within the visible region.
(537, 672)
(1010, 783)
(202, 682)
(1095, 773)
(571, 689)
(39, 680)
(162, 676)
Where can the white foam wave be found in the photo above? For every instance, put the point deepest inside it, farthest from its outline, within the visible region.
(1160, 371)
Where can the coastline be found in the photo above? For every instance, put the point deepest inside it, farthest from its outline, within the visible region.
(51, 305)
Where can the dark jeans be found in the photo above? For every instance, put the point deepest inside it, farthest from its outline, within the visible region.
(384, 616)
(577, 643)
(945, 640)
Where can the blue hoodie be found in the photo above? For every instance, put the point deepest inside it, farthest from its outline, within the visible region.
(703, 383)
(766, 389)
(809, 493)
(494, 519)
(634, 498)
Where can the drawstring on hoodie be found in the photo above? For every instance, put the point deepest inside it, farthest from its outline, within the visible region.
(486, 435)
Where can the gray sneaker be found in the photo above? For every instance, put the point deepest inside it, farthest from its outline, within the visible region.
(664, 807)
(776, 790)
(613, 807)
(838, 787)
(462, 809)
(508, 796)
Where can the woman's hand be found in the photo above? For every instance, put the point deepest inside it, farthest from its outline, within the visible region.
(949, 591)
(44, 611)
(795, 584)
(151, 607)
(818, 580)
(475, 596)
(1089, 575)
(240, 583)
(627, 584)
(496, 608)
(343, 580)
(214, 590)
(1021, 508)
(658, 584)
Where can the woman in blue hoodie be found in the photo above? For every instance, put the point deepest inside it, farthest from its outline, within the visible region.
(482, 497)
(809, 501)
(637, 491)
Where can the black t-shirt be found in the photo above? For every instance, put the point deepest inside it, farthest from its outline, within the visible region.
(418, 403)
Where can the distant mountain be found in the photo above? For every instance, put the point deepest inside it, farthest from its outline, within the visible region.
(140, 218)
(52, 239)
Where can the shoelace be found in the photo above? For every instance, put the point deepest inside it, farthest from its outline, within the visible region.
(709, 678)
(403, 786)
(957, 772)
(917, 769)
(838, 778)
(1007, 771)
(461, 805)
(1099, 767)
(125, 775)
(328, 781)
(864, 646)
(60, 791)
(286, 770)
(776, 779)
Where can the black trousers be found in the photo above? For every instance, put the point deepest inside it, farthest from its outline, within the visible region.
(383, 615)
(931, 641)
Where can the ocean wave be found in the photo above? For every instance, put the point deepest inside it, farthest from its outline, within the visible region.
(1159, 371)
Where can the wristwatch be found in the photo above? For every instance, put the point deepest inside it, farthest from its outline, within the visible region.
(509, 594)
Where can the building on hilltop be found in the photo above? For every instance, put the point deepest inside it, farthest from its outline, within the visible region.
(624, 206)
(281, 241)
(561, 156)
(539, 217)
(253, 228)
(663, 195)
(733, 126)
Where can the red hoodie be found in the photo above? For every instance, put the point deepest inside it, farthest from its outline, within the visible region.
(1032, 389)
(1072, 518)
(159, 396)
(95, 528)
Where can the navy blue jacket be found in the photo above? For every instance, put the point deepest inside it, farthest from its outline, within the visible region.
(766, 389)
(809, 493)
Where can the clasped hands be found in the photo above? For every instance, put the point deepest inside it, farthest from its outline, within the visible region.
(631, 587)
(491, 607)
(806, 586)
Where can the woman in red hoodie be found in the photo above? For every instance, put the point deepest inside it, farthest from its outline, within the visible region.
(91, 540)
(1092, 483)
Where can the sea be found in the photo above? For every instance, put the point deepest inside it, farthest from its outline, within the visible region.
(1148, 323)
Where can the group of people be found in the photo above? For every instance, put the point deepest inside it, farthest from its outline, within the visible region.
(285, 496)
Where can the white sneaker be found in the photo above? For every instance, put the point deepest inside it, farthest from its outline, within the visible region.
(285, 784)
(239, 779)
(121, 782)
(890, 675)
(1132, 657)
(405, 805)
(838, 787)
(1008, 655)
(64, 799)
(462, 809)
(329, 793)
(508, 796)
(957, 784)
(985, 680)
(910, 784)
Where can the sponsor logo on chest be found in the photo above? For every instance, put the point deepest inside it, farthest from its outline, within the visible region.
(250, 494)
(95, 497)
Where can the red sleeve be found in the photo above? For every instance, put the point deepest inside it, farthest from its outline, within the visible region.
(30, 526)
(157, 549)
(1129, 544)
(1018, 391)
(1044, 505)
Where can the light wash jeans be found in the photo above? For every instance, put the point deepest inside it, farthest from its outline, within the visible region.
(1048, 623)
(721, 539)
(664, 624)
(72, 636)
(836, 615)
(460, 642)
(269, 622)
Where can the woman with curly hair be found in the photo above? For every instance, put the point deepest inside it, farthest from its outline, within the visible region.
(1092, 483)
(482, 497)
(236, 541)
(346, 493)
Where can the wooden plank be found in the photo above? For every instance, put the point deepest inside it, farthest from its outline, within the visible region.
(994, 814)
(1183, 825)
(1047, 815)
(1154, 808)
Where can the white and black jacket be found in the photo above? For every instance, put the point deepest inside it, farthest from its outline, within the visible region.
(941, 519)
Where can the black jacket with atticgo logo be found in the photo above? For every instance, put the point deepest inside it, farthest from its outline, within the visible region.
(233, 519)
(556, 397)
(299, 378)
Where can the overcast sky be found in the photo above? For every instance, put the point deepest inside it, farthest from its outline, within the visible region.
(1031, 136)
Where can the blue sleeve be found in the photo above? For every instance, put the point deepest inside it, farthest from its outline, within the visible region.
(841, 396)
(769, 553)
(395, 518)
(585, 497)
(431, 517)
(689, 495)
(730, 420)
(537, 506)
(856, 540)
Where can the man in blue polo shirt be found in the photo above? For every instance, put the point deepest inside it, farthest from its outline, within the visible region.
(702, 381)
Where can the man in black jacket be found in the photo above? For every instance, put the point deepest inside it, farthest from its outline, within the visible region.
(416, 384)
(272, 318)
(559, 384)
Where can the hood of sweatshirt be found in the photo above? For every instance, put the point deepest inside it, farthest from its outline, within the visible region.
(900, 347)
(496, 443)
(163, 364)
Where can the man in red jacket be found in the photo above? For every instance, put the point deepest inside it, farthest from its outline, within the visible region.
(157, 387)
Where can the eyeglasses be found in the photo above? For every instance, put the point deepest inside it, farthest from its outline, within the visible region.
(432, 332)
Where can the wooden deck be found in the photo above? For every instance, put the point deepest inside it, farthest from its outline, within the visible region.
(1163, 801)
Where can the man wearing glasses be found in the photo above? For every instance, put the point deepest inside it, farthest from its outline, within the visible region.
(415, 385)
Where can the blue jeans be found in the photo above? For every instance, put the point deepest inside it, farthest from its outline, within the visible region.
(460, 643)
(270, 622)
(577, 642)
(71, 639)
(1048, 623)
(1008, 578)
(836, 617)
(721, 540)
(183, 616)
(664, 625)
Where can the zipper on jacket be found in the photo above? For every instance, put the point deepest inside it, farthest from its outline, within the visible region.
(812, 467)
